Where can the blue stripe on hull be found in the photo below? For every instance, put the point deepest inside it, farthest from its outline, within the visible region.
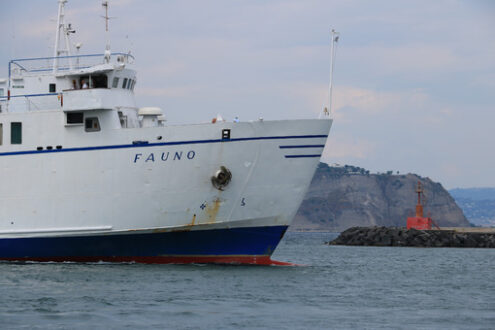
(146, 144)
(215, 242)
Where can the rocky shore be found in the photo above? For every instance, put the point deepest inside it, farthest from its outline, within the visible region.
(395, 236)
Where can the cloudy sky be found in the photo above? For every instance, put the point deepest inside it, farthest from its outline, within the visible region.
(414, 80)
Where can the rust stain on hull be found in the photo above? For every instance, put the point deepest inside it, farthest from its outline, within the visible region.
(212, 211)
(192, 221)
(187, 227)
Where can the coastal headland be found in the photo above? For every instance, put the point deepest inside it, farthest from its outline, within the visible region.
(341, 197)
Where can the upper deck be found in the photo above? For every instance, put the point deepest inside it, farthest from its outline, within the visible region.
(44, 83)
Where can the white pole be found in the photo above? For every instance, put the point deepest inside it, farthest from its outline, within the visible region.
(57, 34)
(335, 38)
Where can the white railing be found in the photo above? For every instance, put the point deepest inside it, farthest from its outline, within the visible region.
(45, 64)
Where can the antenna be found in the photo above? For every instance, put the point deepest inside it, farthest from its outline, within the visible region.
(78, 47)
(107, 47)
(333, 51)
(105, 5)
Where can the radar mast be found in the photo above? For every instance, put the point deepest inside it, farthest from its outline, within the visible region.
(66, 30)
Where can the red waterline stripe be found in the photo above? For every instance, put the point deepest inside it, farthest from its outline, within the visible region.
(242, 260)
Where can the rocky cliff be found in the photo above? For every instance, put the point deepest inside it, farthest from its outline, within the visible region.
(348, 196)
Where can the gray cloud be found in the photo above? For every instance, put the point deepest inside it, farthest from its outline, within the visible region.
(414, 80)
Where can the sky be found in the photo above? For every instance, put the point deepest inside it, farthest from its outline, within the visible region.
(414, 81)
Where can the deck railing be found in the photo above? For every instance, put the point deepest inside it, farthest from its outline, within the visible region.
(45, 64)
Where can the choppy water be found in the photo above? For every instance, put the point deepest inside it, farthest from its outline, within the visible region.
(339, 287)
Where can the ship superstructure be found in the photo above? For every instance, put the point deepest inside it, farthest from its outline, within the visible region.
(87, 175)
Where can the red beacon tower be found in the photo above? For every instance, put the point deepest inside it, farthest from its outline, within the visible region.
(419, 221)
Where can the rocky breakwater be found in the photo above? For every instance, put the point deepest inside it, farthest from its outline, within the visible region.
(395, 236)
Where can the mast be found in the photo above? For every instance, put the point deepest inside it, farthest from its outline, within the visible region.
(57, 34)
(333, 51)
(66, 30)
(107, 37)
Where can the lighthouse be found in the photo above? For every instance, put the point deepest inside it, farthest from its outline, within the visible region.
(419, 221)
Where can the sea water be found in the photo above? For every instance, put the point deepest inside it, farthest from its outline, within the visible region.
(333, 287)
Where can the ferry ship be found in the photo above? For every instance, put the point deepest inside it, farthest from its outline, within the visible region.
(88, 176)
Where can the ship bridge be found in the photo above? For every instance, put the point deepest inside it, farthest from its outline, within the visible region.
(95, 90)
(79, 82)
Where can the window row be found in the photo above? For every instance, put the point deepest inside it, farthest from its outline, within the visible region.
(91, 124)
(127, 83)
(15, 133)
(93, 81)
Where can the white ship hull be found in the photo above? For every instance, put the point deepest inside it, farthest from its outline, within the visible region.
(139, 183)
(86, 175)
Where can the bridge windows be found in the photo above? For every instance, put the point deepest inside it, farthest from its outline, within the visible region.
(127, 83)
(93, 81)
(16, 133)
(99, 81)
